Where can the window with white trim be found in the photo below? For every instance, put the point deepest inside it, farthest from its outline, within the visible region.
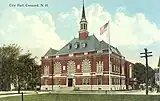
(122, 69)
(84, 45)
(57, 81)
(99, 66)
(70, 55)
(69, 46)
(71, 67)
(64, 67)
(46, 70)
(57, 68)
(46, 82)
(86, 81)
(130, 71)
(99, 80)
(78, 66)
(76, 45)
(86, 53)
(86, 66)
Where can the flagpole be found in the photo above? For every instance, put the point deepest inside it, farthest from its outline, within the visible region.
(159, 77)
(109, 56)
(159, 72)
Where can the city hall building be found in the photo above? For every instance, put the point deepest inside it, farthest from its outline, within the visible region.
(84, 63)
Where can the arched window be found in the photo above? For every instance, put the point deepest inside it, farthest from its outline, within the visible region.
(86, 65)
(71, 67)
(57, 68)
(84, 45)
(76, 45)
(69, 46)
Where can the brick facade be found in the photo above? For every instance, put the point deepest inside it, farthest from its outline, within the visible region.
(62, 79)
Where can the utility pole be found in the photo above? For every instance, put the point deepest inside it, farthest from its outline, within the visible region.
(146, 57)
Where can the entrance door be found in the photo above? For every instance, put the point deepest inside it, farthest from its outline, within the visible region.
(70, 81)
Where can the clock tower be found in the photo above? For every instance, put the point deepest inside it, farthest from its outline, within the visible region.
(83, 33)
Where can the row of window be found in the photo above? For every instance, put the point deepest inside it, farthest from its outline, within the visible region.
(115, 81)
(87, 81)
(84, 26)
(115, 68)
(77, 45)
(86, 67)
(71, 70)
(115, 60)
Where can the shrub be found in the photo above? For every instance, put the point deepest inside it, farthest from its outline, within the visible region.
(76, 89)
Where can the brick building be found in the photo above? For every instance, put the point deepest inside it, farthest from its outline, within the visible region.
(83, 63)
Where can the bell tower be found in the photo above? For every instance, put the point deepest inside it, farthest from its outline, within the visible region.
(83, 33)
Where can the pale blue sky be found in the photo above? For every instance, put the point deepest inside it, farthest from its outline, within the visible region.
(144, 13)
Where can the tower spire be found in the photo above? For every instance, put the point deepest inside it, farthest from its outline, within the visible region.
(83, 33)
(83, 12)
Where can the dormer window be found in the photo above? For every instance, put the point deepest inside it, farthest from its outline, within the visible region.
(69, 46)
(84, 45)
(76, 45)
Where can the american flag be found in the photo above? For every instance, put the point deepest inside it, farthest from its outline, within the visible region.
(103, 28)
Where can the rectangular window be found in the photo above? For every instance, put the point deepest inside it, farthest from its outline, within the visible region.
(46, 70)
(70, 55)
(64, 67)
(99, 80)
(86, 81)
(130, 71)
(57, 56)
(113, 81)
(78, 66)
(57, 81)
(46, 82)
(99, 51)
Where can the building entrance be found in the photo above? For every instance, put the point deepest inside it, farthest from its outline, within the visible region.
(70, 82)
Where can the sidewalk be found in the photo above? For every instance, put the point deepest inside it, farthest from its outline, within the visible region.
(14, 93)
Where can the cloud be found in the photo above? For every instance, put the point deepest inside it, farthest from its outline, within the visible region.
(124, 29)
(31, 32)
(130, 33)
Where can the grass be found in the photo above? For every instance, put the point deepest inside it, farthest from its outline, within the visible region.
(83, 97)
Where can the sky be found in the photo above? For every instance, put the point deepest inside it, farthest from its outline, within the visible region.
(134, 25)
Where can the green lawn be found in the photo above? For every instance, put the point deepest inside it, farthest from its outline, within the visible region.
(83, 97)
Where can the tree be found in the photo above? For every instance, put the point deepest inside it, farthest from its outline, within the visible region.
(139, 74)
(29, 71)
(19, 69)
(9, 54)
